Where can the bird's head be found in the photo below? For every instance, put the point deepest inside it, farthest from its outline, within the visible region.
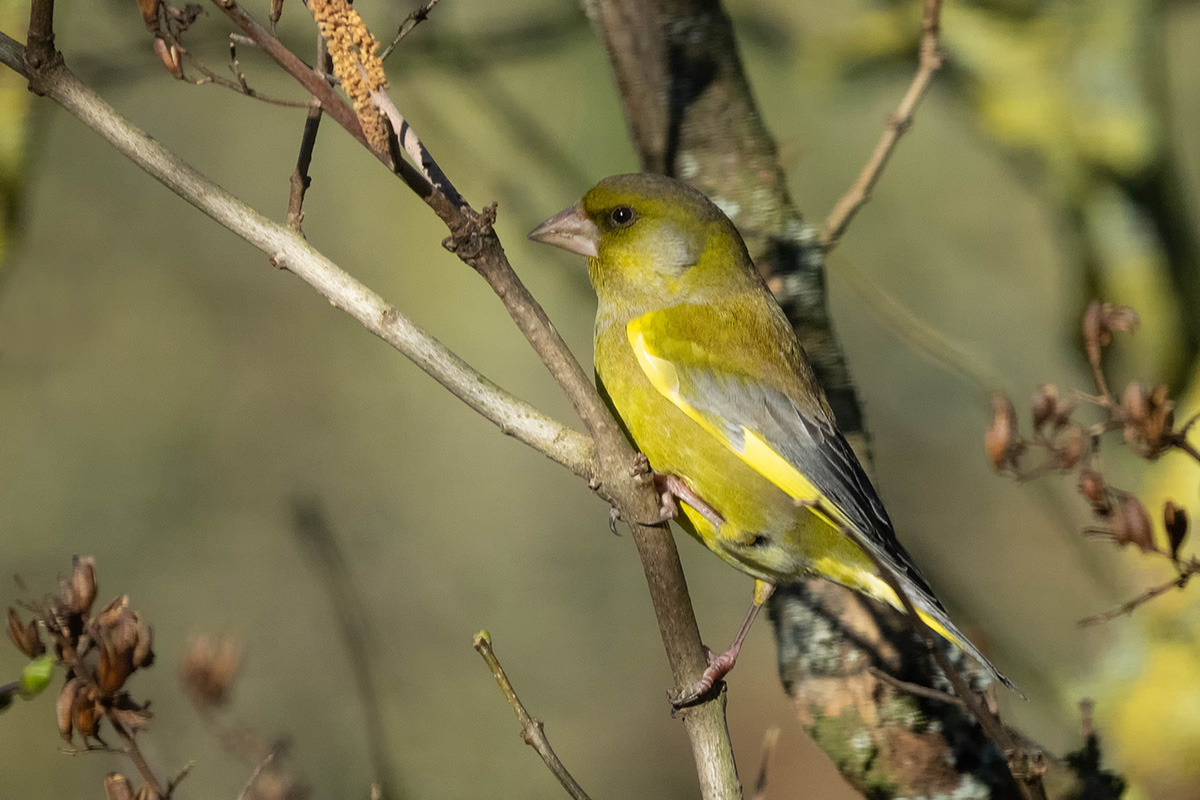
(649, 239)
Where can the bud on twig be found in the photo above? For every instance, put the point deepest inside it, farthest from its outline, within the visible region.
(1175, 520)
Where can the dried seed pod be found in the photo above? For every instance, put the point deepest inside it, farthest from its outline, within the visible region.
(24, 636)
(113, 669)
(1002, 440)
(116, 787)
(1093, 487)
(1044, 405)
(1133, 525)
(64, 707)
(83, 584)
(143, 651)
(87, 712)
(1121, 319)
(1175, 520)
(149, 9)
(1158, 429)
(1063, 412)
(1136, 403)
(1160, 396)
(1071, 448)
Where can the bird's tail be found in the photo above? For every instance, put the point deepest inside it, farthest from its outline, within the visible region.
(933, 615)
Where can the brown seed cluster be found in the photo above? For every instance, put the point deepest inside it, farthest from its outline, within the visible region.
(1147, 421)
(99, 652)
(352, 49)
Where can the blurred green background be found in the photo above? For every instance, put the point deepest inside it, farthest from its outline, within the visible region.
(164, 393)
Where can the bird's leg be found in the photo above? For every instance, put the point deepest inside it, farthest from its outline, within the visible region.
(720, 666)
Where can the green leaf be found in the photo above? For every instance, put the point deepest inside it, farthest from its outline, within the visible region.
(36, 676)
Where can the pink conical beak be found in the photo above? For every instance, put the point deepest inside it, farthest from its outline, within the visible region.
(571, 230)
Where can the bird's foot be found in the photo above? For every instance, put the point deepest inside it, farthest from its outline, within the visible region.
(672, 488)
(641, 469)
(718, 667)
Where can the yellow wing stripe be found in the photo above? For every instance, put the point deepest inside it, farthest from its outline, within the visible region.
(779, 471)
(754, 451)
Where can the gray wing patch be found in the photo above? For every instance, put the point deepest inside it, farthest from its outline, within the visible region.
(815, 447)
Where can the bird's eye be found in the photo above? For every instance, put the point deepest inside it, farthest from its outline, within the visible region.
(622, 216)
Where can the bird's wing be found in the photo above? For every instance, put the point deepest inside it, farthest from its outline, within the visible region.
(776, 434)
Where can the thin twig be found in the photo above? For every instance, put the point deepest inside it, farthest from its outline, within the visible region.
(257, 771)
(300, 180)
(415, 18)
(314, 533)
(1179, 582)
(240, 86)
(40, 48)
(514, 417)
(916, 688)
(532, 730)
(770, 742)
(859, 194)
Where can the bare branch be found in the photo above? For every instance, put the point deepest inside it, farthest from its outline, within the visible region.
(300, 180)
(415, 18)
(40, 50)
(1186, 572)
(917, 689)
(532, 730)
(313, 531)
(257, 771)
(770, 742)
(897, 125)
(512, 416)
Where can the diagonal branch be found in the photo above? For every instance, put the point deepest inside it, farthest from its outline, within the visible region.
(898, 124)
(532, 730)
(513, 416)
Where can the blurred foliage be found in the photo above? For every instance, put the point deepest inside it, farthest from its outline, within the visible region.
(163, 392)
(14, 133)
(1075, 90)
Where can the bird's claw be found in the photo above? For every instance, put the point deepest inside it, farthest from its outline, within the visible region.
(718, 667)
(613, 516)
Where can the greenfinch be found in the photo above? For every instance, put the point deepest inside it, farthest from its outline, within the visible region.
(697, 360)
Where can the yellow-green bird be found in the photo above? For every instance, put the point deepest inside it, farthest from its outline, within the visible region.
(702, 367)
